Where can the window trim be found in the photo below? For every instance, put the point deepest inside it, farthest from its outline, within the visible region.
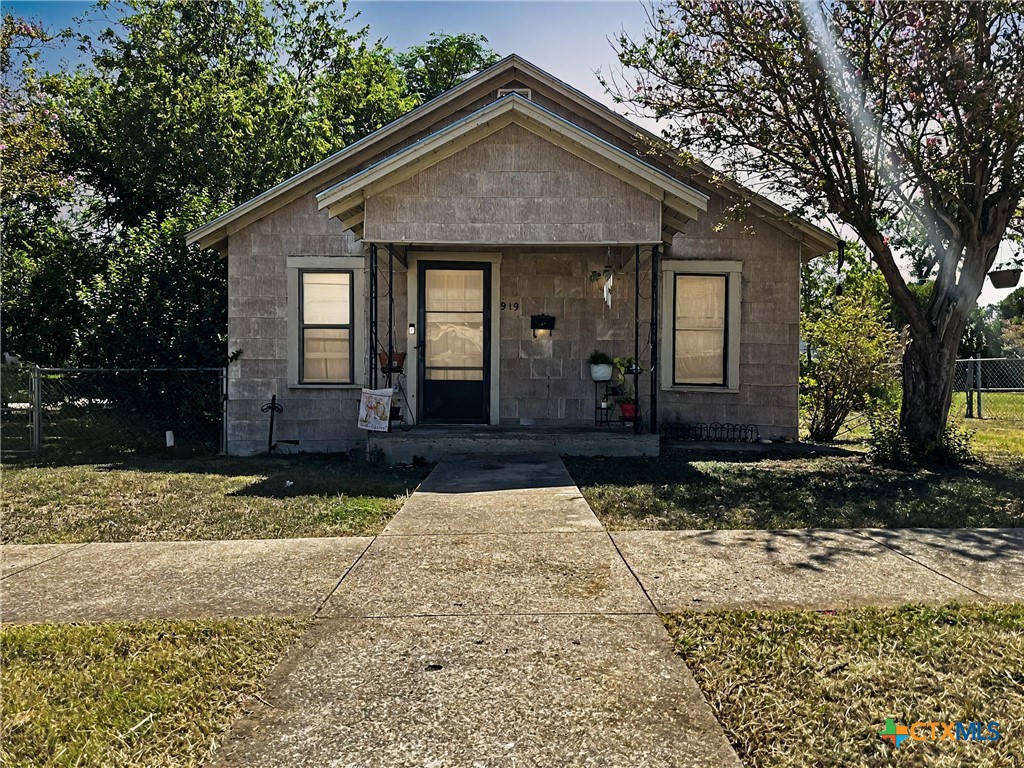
(733, 272)
(350, 326)
(357, 266)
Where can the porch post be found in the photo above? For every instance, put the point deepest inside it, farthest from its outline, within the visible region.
(391, 310)
(655, 276)
(371, 375)
(636, 337)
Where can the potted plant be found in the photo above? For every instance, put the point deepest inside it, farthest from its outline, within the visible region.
(601, 366)
(627, 406)
(394, 364)
(1007, 275)
(626, 397)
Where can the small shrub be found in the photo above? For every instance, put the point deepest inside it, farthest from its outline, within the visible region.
(890, 446)
(888, 443)
(851, 352)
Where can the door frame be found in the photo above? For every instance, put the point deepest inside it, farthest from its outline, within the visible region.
(493, 363)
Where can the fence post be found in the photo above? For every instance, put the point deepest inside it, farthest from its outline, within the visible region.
(969, 390)
(37, 411)
(224, 411)
(977, 382)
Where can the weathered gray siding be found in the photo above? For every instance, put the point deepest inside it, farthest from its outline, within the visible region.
(321, 419)
(513, 187)
(769, 331)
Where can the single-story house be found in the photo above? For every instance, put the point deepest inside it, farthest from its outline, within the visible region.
(459, 233)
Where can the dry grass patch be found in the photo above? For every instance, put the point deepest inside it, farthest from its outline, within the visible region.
(804, 690)
(131, 694)
(203, 498)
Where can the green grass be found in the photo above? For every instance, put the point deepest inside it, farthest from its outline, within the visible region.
(203, 498)
(131, 694)
(992, 438)
(803, 690)
(688, 490)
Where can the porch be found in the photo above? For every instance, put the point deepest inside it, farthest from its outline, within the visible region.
(436, 442)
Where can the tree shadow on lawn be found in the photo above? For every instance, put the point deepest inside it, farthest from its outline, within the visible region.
(737, 492)
(280, 477)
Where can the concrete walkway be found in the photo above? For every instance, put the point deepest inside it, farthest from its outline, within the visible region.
(494, 621)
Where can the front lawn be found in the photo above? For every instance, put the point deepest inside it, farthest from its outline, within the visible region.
(202, 498)
(693, 490)
(129, 694)
(804, 689)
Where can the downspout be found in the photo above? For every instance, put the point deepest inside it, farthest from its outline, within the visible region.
(371, 375)
(636, 337)
(655, 279)
(391, 311)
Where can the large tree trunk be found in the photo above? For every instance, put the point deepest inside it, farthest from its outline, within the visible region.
(928, 368)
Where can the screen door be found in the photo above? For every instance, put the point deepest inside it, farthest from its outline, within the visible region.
(455, 343)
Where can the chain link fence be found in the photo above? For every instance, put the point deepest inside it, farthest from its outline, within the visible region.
(100, 411)
(990, 388)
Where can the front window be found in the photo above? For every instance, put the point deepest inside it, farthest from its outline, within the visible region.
(700, 331)
(325, 318)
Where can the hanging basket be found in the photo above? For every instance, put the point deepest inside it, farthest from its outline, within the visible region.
(1004, 278)
(395, 365)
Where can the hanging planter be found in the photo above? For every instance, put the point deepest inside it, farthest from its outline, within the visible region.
(396, 364)
(1005, 278)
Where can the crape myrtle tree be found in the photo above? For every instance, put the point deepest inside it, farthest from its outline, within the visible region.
(891, 117)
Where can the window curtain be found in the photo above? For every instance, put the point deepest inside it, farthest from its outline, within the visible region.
(700, 311)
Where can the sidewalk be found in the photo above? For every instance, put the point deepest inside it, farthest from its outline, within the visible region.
(494, 621)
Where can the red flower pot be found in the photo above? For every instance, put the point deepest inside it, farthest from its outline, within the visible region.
(628, 411)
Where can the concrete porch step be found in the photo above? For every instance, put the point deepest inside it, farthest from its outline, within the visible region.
(440, 442)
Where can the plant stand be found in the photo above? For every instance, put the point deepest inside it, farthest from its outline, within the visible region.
(603, 404)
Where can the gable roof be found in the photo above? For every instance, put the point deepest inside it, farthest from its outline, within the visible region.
(814, 240)
(345, 199)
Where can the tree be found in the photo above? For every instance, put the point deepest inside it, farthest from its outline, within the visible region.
(219, 99)
(887, 115)
(1012, 307)
(444, 61)
(184, 110)
(30, 138)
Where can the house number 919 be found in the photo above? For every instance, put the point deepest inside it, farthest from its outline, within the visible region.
(510, 305)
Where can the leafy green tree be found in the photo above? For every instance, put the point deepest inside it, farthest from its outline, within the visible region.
(885, 114)
(1012, 307)
(159, 303)
(444, 61)
(30, 137)
(184, 110)
(219, 99)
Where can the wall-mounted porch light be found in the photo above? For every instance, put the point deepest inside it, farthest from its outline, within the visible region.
(542, 325)
(412, 329)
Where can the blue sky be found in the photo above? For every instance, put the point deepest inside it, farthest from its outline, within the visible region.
(568, 38)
